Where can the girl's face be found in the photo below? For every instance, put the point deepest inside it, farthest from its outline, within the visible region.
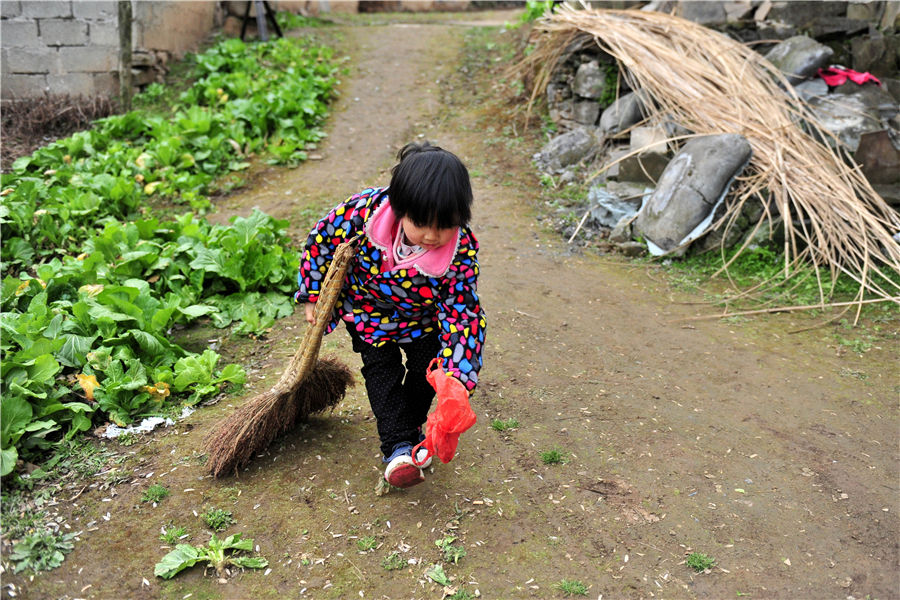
(428, 238)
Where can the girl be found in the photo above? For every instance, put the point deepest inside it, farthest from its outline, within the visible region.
(411, 287)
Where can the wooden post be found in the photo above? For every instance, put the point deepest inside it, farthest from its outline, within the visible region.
(125, 20)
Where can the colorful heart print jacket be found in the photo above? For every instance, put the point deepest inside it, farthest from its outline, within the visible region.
(402, 304)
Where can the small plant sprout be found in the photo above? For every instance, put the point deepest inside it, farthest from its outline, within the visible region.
(554, 456)
(699, 561)
(185, 556)
(451, 553)
(173, 535)
(366, 543)
(155, 493)
(571, 587)
(218, 519)
(392, 562)
(501, 426)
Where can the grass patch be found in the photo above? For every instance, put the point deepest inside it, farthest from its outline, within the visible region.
(571, 587)
(366, 543)
(155, 493)
(173, 535)
(510, 423)
(218, 519)
(554, 456)
(699, 561)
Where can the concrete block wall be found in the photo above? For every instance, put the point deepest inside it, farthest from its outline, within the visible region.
(72, 46)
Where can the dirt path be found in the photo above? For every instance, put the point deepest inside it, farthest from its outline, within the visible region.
(762, 449)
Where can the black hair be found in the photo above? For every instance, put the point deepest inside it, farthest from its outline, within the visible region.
(431, 187)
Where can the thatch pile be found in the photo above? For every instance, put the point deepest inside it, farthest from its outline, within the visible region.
(711, 84)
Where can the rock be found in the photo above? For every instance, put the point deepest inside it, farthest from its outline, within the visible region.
(613, 171)
(848, 116)
(566, 178)
(773, 30)
(675, 129)
(632, 249)
(736, 11)
(557, 92)
(621, 233)
(704, 13)
(879, 156)
(812, 88)
(621, 114)
(650, 139)
(877, 55)
(690, 187)
(799, 58)
(803, 14)
(562, 111)
(741, 227)
(643, 168)
(586, 112)
(608, 209)
(590, 80)
(827, 28)
(566, 149)
(892, 86)
(889, 193)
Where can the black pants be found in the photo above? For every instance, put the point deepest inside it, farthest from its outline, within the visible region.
(400, 395)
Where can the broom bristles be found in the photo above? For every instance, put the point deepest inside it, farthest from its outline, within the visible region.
(253, 426)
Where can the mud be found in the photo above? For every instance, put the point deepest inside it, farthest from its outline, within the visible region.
(771, 452)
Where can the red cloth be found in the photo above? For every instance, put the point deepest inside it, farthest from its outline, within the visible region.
(452, 416)
(835, 76)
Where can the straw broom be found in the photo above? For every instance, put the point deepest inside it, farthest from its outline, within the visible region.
(711, 84)
(307, 386)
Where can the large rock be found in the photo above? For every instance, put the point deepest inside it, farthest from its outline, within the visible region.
(690, 187)
(803, 14)
(590, 80)
(848, 116)
(705, 13)
(799, 58)
(877, 55)
(567, 149)
(644, 168)
(608, 208)
(621, 114)
(879, 156)
(586, 112)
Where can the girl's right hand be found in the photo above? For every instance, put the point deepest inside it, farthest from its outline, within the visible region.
(310, 308)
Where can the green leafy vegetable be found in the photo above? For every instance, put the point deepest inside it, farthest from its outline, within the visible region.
(185, 556)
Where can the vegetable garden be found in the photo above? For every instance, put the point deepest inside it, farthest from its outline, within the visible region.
(95, 278)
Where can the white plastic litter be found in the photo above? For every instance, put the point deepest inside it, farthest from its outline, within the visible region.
(147, 425)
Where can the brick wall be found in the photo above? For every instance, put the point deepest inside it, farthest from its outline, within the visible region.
(72, 46)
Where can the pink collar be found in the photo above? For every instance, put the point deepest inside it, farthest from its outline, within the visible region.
(381, 229)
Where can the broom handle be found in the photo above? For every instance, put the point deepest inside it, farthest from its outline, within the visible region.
(308, 352)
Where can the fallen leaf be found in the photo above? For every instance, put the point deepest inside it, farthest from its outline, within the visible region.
(88, 383)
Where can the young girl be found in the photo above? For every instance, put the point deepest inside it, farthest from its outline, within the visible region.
(411, 287)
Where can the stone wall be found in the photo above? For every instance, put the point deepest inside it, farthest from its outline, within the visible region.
(72, 46)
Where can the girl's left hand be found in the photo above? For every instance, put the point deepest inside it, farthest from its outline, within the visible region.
(310, 308)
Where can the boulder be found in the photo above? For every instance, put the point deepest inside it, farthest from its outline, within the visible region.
(813, 88)
(621, 233)
(799, 58)
(704, 13)
(608, 208)
(590, 80)
(643, 168)
(847, 116)
(690, 187)
(621, 114)
(803, 14)
(879, 156)
(828, 28)
(566, 149)
(586, 112)
(877, 55)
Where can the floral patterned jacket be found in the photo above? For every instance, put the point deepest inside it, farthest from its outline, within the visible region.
(402, 304)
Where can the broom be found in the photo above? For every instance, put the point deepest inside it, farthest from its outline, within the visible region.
(306, 386)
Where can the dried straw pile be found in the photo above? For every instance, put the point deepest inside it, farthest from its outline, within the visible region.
(711, 84)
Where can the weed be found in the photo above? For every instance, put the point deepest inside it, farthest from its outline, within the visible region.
(127, 439)
(451, 553)
(554, 456)
(510, 423)
(461, 594)
(155, 493)
(699, 561)
(392, 562)
(218, 519)
(366, 543)
(173, 535)
(41, 551)
(571, 587)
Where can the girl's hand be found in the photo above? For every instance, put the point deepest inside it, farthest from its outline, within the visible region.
(310, 308)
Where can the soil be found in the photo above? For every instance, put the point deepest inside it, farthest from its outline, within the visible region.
(774, 453)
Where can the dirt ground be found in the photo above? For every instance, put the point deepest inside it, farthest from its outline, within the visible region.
(769, 451)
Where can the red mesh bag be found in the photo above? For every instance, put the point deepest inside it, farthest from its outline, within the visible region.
(452, 416)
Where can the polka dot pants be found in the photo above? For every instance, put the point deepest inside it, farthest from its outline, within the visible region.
(400, 395)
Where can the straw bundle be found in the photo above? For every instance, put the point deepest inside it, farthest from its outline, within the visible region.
(306, 387)
(711, 84)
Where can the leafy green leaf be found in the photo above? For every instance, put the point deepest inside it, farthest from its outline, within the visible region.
(182, 557)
